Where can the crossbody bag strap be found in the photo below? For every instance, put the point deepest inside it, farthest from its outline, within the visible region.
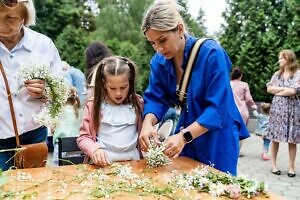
(11, 106)
(181, 92)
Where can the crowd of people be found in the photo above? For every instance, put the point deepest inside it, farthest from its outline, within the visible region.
(114, 123)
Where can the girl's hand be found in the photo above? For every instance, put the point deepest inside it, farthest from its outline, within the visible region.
(35, 88)
(100, 158)
(174, 145)
(148, 131)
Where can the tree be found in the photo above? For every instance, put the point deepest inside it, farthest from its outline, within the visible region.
(195, 26)
(54, 16)
(68, 23)
(118, 25)
(71, 44)
(253, 34)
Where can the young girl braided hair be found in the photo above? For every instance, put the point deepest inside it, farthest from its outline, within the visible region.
(112, 119)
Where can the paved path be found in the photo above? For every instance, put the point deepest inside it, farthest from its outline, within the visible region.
(252, 165)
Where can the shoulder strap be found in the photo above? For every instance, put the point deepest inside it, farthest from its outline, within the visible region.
(181, 92)
(11, 106)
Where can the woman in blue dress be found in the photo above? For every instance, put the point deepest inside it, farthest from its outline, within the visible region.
(210, 126)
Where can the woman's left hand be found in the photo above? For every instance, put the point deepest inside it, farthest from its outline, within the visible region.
(174, 145)
(35, 88)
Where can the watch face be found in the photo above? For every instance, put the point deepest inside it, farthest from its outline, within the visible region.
(188, 136)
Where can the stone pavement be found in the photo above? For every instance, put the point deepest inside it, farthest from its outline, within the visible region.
(252, 165)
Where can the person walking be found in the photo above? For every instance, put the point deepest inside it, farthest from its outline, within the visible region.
(242, 96)
(262, 126)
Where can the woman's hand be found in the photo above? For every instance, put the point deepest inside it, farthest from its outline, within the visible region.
(100, 158)
(148, 131)
(35, 88)
(174, 145)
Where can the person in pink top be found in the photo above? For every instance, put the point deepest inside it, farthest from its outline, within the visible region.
(242, 95)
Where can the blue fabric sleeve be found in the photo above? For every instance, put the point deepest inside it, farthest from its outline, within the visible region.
(154, 95)
(218, 90)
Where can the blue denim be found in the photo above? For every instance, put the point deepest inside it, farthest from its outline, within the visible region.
(266, 144)
(34, 136)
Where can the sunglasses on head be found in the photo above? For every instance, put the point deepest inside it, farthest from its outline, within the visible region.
(12, 3)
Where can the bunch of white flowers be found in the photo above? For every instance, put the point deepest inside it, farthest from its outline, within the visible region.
(218, 184)
(155, 156)
(57, 90)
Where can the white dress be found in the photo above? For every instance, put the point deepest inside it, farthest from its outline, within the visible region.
(118, 132)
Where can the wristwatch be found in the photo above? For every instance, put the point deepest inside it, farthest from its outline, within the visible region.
(187, 135)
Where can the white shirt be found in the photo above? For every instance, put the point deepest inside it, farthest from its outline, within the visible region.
(118, 132)
(33, 49)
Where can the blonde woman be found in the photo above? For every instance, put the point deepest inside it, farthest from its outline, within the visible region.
(209, 125)
(284, 123)
(19, 45)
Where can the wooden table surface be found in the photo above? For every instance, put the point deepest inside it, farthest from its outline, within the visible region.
(71, 182)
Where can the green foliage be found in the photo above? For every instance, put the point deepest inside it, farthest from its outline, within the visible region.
(118, 25)
(70, 24)
(254, 33)
(195, 27)
(71, 44)
(54, 15)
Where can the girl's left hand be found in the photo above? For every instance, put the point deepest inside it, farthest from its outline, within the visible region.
(174, 145)
(35, 87)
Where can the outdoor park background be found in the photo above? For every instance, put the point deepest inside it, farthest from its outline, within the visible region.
(252, 32)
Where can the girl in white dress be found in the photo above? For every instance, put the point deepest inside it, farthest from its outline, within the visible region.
(112, 119)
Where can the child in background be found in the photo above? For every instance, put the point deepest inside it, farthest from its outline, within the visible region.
(262, 127)
(70, 121)
(112, 119)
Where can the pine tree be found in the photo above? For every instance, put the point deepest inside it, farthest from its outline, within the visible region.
(253, 34)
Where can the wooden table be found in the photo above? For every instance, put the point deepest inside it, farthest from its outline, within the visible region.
(75, 182)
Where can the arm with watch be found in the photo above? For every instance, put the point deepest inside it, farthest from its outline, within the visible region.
(175, 143)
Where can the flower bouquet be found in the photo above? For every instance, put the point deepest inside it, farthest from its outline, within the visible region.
(155, 156)
(218, 184)
(56, 92)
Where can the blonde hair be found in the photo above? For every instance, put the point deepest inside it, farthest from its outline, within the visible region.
(162, 15)
(291, 59)
(29, 13)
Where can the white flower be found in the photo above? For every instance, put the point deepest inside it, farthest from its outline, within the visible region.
(155, 156)
(216, 189)
(57, 90)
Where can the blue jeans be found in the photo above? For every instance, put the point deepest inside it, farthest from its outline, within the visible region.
(266, 144)
(30, 137)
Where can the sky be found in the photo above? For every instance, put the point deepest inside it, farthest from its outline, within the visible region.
(213, 12)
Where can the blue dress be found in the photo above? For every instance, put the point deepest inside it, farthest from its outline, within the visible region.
(210, 102)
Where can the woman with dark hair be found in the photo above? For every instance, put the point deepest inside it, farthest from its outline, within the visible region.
(94, 53)
(241, 93)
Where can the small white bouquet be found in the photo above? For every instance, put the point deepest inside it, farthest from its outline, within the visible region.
(56, 92)
(155, 156)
